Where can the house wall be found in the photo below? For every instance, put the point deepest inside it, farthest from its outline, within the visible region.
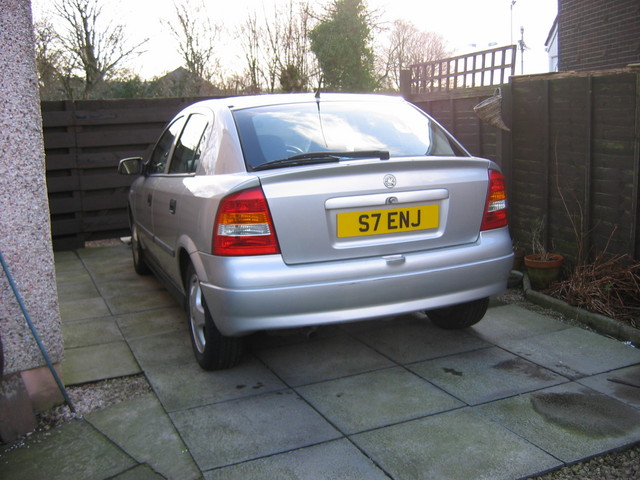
(598, 34)
(552, 49)
(25, 235)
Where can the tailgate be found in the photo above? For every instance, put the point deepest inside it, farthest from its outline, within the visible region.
(367, 208)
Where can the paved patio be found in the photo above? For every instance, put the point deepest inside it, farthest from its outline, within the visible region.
(517, 395)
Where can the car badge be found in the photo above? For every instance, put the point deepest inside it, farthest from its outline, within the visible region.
(389, 181)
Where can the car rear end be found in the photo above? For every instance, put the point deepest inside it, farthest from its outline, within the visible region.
(358, 207)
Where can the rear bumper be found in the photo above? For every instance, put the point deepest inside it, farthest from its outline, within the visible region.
(247, 294)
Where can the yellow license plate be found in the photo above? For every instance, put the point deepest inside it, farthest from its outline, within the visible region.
(394, 220)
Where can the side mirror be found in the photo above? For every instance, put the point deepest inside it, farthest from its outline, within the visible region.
(130, 166)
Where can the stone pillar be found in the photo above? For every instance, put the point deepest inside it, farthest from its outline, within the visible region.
(25, 231)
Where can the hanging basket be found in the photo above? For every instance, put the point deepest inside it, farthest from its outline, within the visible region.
(490, 110)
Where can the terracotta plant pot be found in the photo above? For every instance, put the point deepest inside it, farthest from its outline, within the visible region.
(544, 269)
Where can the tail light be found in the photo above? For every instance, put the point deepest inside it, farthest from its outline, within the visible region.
(243, 226)
(495, 212)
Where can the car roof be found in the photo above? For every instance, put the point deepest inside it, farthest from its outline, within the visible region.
(249, 101)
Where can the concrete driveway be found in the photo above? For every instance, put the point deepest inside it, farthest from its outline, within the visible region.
(517, 395)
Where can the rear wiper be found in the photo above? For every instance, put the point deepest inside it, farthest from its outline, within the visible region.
(301, 159)
(321, 157)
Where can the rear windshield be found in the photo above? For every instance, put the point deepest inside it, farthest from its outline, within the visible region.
(277, 132)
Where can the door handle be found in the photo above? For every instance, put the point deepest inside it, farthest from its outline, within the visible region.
(149, 198)
(172, 205)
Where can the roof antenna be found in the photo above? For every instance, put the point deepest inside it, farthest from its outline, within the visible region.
(317, 95)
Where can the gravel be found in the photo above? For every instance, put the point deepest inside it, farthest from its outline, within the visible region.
(93, 396)
(624, 464)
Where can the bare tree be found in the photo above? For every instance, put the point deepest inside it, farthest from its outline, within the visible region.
(53, 71)
(407, 45)
(90, 46)
(197, 37)
(290, 57)
(251, 38)
(276, 50)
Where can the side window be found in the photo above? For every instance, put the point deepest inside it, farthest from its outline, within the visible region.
(160, 153)
(189, 146)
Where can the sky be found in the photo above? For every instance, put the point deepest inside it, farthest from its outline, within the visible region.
(466, 25)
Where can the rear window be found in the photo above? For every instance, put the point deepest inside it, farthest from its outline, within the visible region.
(277, 132)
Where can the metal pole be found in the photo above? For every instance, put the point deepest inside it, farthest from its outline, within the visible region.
(522, 48)
(513, 2)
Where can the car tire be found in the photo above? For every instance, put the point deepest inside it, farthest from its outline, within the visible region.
(139, 263)
(213, 351)
(459, 316)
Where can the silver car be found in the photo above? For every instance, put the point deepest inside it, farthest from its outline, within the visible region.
(281, 211)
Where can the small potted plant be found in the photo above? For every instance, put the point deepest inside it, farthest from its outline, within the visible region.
(543, 267)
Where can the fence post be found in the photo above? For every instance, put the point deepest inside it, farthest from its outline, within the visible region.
(635, 198)
(405, 84)
(504, 151)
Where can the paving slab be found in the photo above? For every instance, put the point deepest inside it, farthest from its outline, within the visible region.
(68, 262)
(622, 384)
(137, 284)
(112, 252)
(98, 362)
(186, 385)
(153, 322)
(71, 276)
(109, 272)
(75, 286)
(141, 428)
(110, 269)
(83, 309)
(139, 302)
(407, 342)
(95, 331)
(77, 289)
(74, 450)
(457, 445)
(338, 459)
(169, 348)
(575, 352)
(120, 254)
(139, 472)
(391, 398)
(569, 421)
(322, 359)
(249, 428)
(485, 375)
(512, 322)
(99, 257)
(64, 256)
(376, 399)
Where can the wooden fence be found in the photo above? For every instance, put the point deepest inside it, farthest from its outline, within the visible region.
(572, 157)
(84, 141)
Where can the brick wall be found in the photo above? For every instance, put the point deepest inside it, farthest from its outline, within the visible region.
(598, 34)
